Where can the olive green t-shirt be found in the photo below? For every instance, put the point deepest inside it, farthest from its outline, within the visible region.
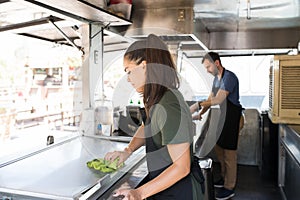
(171, 123)
(171, 120)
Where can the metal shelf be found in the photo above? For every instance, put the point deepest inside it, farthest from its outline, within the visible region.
(82, 10)
(58, 20)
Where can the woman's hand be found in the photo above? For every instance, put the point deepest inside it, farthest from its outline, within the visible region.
(122, 155)
(129, 194)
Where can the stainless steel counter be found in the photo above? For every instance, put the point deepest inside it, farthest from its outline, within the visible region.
(289, 161)
(60, 172)
(132, 179)
(290, 139)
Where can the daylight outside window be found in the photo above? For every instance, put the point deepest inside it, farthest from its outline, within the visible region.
(40, 94)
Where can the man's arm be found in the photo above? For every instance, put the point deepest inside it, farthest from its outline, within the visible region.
(217, 100)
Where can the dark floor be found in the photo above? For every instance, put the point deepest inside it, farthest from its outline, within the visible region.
(252, 185)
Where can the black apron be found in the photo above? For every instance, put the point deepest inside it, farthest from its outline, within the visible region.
(158, 159)
(230, 127)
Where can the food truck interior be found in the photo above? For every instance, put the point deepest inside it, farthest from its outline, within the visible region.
(258, 40)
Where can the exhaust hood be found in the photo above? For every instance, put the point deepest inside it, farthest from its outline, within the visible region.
(237, 25)
(194, 25)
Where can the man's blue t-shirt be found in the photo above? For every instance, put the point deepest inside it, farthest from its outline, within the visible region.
(229, 83)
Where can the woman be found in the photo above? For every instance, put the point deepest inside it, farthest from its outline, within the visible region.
(167, 133)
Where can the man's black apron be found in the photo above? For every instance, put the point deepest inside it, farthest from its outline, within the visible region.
(158, 159)
(230, 127)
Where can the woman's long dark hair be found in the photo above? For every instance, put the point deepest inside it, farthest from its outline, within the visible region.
(161, 72)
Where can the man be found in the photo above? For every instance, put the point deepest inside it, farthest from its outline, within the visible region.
(225, 92)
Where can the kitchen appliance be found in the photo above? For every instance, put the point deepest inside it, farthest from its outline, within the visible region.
(103, 117)
(284, 102)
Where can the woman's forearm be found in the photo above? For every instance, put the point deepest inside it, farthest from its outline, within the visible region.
(137, 140)
(174, 173)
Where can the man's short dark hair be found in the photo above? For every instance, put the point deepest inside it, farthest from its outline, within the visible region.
(212, 57)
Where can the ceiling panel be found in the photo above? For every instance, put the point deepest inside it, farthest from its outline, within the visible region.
(209, 20)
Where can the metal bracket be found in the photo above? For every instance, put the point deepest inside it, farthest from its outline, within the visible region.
(65, 36)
